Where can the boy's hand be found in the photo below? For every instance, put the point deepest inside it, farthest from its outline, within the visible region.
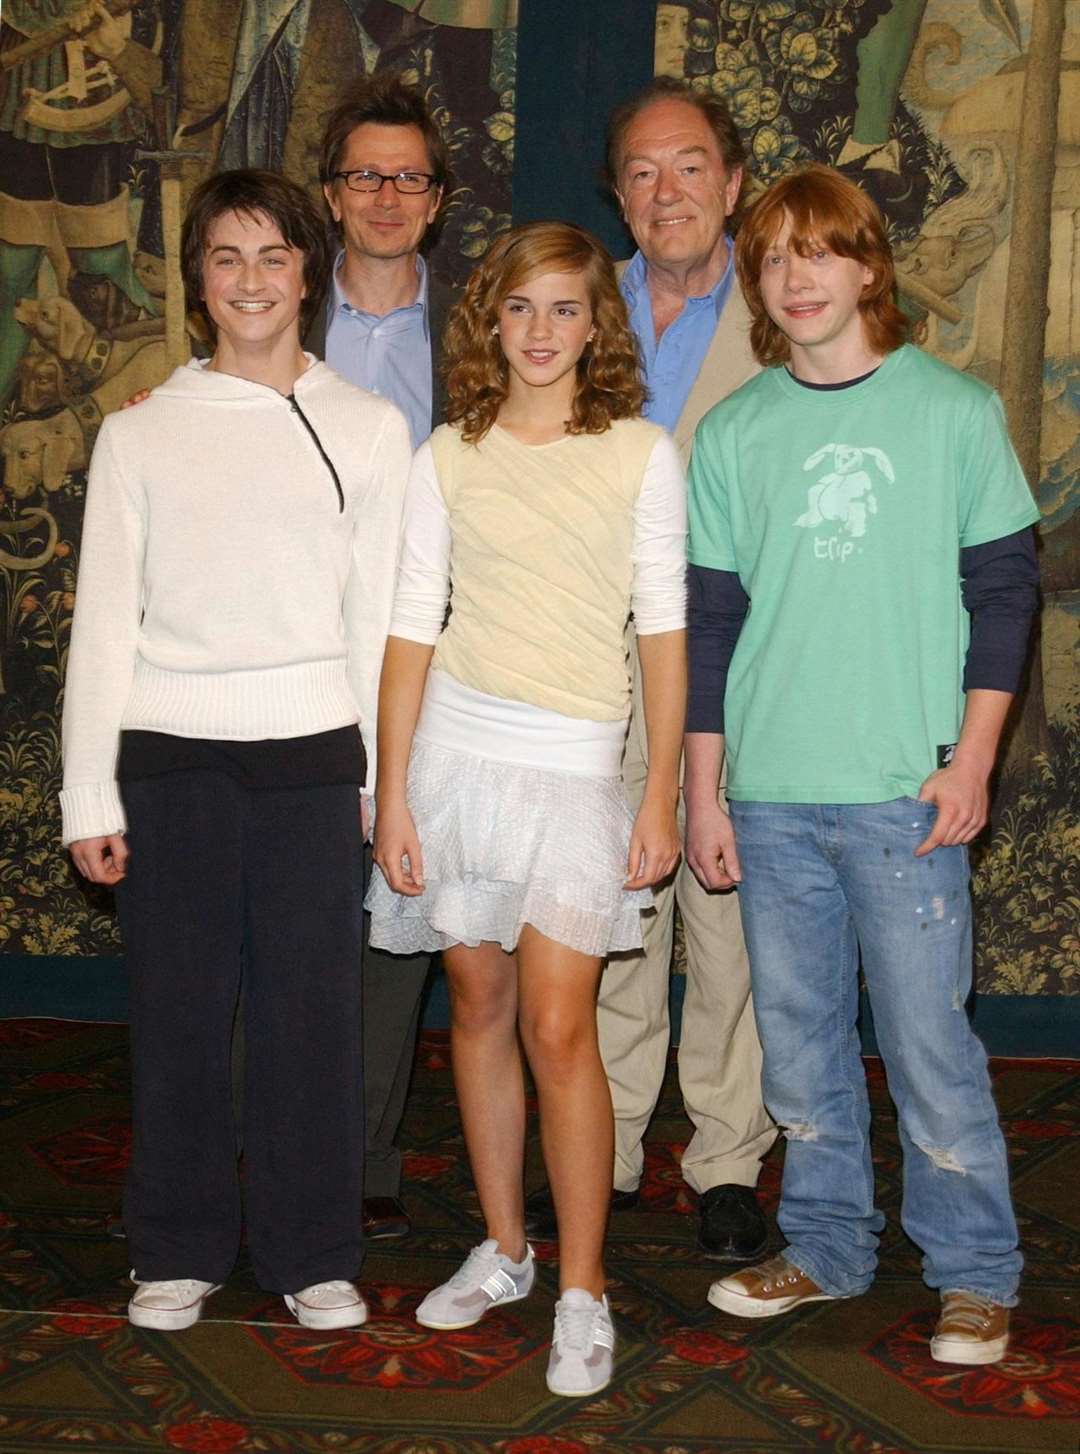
(102, 860)
(136, 398)
(963, 803)
(710, 846)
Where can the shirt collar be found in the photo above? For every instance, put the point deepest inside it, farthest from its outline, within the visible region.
(337, 300)
(635, 278)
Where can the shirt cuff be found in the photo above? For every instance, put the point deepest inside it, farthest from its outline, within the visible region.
(91, 810)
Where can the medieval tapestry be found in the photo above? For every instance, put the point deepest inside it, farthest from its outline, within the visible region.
(110, 114)
(960, 117)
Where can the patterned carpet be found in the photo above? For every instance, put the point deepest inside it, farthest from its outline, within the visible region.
(853, 1377)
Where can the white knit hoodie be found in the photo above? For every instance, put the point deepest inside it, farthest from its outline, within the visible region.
(223, 591)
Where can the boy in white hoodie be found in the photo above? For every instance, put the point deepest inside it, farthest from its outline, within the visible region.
(235, 583)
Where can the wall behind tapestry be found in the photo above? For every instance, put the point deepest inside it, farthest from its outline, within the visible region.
(960, 116)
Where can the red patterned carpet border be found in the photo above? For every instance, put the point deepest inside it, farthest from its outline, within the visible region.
(853, 1377)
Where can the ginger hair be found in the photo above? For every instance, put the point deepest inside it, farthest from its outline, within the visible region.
(825, 210)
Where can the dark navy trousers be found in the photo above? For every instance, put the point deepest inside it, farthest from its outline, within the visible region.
(229, 884)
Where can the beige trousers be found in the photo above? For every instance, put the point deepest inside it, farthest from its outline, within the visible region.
(719, 1053)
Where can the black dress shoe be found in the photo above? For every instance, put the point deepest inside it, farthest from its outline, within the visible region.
(625, 1201)
(540, 1211)
(385, 1218)
(732, 1225)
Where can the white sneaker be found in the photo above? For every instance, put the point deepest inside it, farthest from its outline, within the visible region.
(169, 1305)
(325, 1305)
(485, 1278)
(583, 1345)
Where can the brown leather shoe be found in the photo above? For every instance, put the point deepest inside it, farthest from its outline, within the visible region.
(764, 1291)
(385, 1218)
(971, 1329)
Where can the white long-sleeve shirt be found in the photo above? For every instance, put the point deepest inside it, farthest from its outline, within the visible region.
(226, 588)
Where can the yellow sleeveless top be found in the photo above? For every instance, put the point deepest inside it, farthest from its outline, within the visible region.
(540, 565)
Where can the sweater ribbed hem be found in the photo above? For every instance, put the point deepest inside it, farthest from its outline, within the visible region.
(241, 706)
(91, 810)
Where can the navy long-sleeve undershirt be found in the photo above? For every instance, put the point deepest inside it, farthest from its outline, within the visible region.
(1000, 589)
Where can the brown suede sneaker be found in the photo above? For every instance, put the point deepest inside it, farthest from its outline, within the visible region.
(763, 1291)
(971, 1329)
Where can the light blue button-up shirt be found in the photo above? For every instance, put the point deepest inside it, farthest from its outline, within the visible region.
(672, 365)
(389, 355)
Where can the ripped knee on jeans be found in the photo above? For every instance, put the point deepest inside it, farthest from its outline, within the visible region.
(799, 1130)
(943, 1159)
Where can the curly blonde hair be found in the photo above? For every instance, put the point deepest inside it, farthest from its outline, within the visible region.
(609, 383)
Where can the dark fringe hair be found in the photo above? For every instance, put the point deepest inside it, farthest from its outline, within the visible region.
(253, 193)
(826, 209)
(609, 383)
(385, 99)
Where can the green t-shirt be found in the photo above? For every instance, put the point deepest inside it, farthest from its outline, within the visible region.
(844, 513)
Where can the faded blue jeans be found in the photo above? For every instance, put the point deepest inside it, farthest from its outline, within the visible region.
(822, 884)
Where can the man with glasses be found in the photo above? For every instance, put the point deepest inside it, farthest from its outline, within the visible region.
(384, 169)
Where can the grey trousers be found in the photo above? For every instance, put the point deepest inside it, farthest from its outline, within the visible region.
(393, 986)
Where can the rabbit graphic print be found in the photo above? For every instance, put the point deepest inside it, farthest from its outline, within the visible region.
(843, 497)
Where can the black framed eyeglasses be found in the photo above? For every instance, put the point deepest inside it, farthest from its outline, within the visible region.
(408, 183)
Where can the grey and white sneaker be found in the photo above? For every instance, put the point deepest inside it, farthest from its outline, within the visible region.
(169, 1304)
(487, 1277)
(583, 1345)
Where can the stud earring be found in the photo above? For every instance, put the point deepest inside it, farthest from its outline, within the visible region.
(495, 331)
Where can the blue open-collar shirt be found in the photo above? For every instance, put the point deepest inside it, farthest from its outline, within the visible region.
(672, 365)
(389, 354)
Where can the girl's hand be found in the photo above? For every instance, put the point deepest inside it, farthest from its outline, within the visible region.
(397, 850)
(654, 845)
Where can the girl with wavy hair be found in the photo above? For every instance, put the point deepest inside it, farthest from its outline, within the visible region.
(548, 510)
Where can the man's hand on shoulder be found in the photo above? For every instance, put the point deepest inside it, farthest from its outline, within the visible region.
(710, 845)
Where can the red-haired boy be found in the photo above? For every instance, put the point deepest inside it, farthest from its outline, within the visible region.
(862, 583)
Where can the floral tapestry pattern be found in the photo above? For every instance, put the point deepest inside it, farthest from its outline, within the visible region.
(84, 291)
(919, 101)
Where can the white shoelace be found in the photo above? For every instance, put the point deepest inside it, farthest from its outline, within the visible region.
(480, 1264)
(576, 1329)
(339, 1285)
(184, 1289)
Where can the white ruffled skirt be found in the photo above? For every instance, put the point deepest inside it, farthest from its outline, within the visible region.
(522, 818)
